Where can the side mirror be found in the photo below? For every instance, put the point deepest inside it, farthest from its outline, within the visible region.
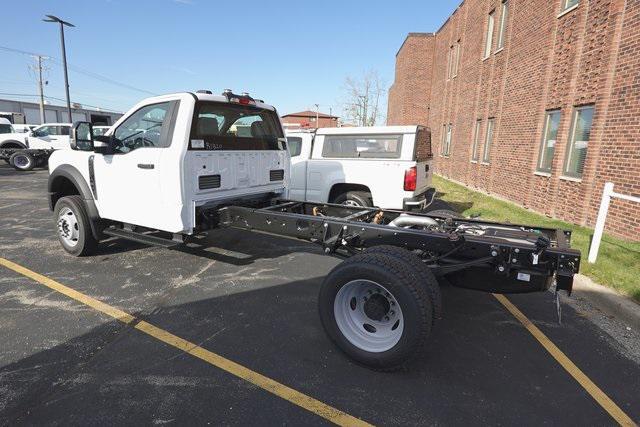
(102, 144)
(81, 136)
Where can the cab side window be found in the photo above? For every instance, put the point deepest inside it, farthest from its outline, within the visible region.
(63, 130)
(147, 127)
(44, 131)
(295, 145)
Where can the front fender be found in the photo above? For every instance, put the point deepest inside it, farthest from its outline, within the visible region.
(73, 175)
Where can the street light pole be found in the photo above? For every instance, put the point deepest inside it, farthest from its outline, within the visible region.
(51, 18)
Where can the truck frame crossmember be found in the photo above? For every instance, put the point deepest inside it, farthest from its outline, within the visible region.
(526, 258)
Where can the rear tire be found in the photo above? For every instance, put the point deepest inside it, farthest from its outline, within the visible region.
(375, 309)
(22, 161)
(354, 198)
(427, 278)
(73, 226)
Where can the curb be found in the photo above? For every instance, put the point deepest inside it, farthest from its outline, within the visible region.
(608, 301)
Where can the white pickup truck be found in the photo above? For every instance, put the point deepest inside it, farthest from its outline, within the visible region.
(385, 166)
(189, 163)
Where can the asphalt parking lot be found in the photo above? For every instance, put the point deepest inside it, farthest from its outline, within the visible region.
(250, 299)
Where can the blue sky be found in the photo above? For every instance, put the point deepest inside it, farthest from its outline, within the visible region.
(291, 54)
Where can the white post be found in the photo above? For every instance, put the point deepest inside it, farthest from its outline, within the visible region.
(602, 217)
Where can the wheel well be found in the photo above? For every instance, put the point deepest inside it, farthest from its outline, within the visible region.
(60, 187)
(338, 189)
(12, 144)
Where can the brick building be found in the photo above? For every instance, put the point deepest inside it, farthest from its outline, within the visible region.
(307, 120)
(535, 101)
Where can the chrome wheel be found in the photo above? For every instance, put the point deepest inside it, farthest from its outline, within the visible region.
(350, 202)
(68, 228)
(368, 316)
(21, 161)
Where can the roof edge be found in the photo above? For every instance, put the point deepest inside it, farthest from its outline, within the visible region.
(414, 35)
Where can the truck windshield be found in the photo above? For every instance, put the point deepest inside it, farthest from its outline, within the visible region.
(225, 126)
(5, 128)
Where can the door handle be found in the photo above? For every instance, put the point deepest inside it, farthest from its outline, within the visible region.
(146, 165)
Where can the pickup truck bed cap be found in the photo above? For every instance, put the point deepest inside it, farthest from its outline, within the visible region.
(367, 130)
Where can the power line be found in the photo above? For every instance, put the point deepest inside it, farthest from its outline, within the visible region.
(79, 70)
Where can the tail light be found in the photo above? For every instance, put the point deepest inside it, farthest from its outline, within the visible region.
(410, 178)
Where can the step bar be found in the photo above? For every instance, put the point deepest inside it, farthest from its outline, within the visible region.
(147, 239)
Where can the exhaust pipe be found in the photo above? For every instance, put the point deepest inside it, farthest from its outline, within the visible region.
(405, 220)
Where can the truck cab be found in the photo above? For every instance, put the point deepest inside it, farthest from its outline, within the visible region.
(385, 166)
(50, 136)
(168, 160)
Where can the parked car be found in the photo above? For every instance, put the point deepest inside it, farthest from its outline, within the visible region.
(385, 166)
(53, 136)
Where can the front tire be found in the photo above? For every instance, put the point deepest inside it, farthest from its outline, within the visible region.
(22, 161)
(374, 308)
(73, 226)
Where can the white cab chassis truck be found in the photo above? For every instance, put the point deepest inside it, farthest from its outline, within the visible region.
(25, 151)
(188, 163)
(385, 166)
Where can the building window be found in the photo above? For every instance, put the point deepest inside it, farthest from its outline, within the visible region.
(476, 139)
(456, 59)
(568, 4)
(549, 138)
(488, 140)
(445, 149)
(578, 141)
(504, 14)
(489, 38)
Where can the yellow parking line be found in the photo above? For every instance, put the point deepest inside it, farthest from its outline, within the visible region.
(287, 393)
(586, 383)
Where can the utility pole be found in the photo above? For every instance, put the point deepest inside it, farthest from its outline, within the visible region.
(51, 18)
(317, 115)
(40, 88)
(37, 71)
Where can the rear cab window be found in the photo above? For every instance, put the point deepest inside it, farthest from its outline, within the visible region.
(362, 146)
(229, 127)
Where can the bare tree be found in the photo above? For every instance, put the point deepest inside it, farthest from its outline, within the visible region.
(363, 97)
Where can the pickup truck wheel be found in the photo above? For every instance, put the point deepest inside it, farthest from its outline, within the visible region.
(73, 227)
(22, 161)
(354, 198)
(375, 309)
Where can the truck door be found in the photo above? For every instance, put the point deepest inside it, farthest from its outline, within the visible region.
(127, 182)
(300, 150)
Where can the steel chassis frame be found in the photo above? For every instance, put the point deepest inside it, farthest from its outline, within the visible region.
(346, 230)
(37, 154)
